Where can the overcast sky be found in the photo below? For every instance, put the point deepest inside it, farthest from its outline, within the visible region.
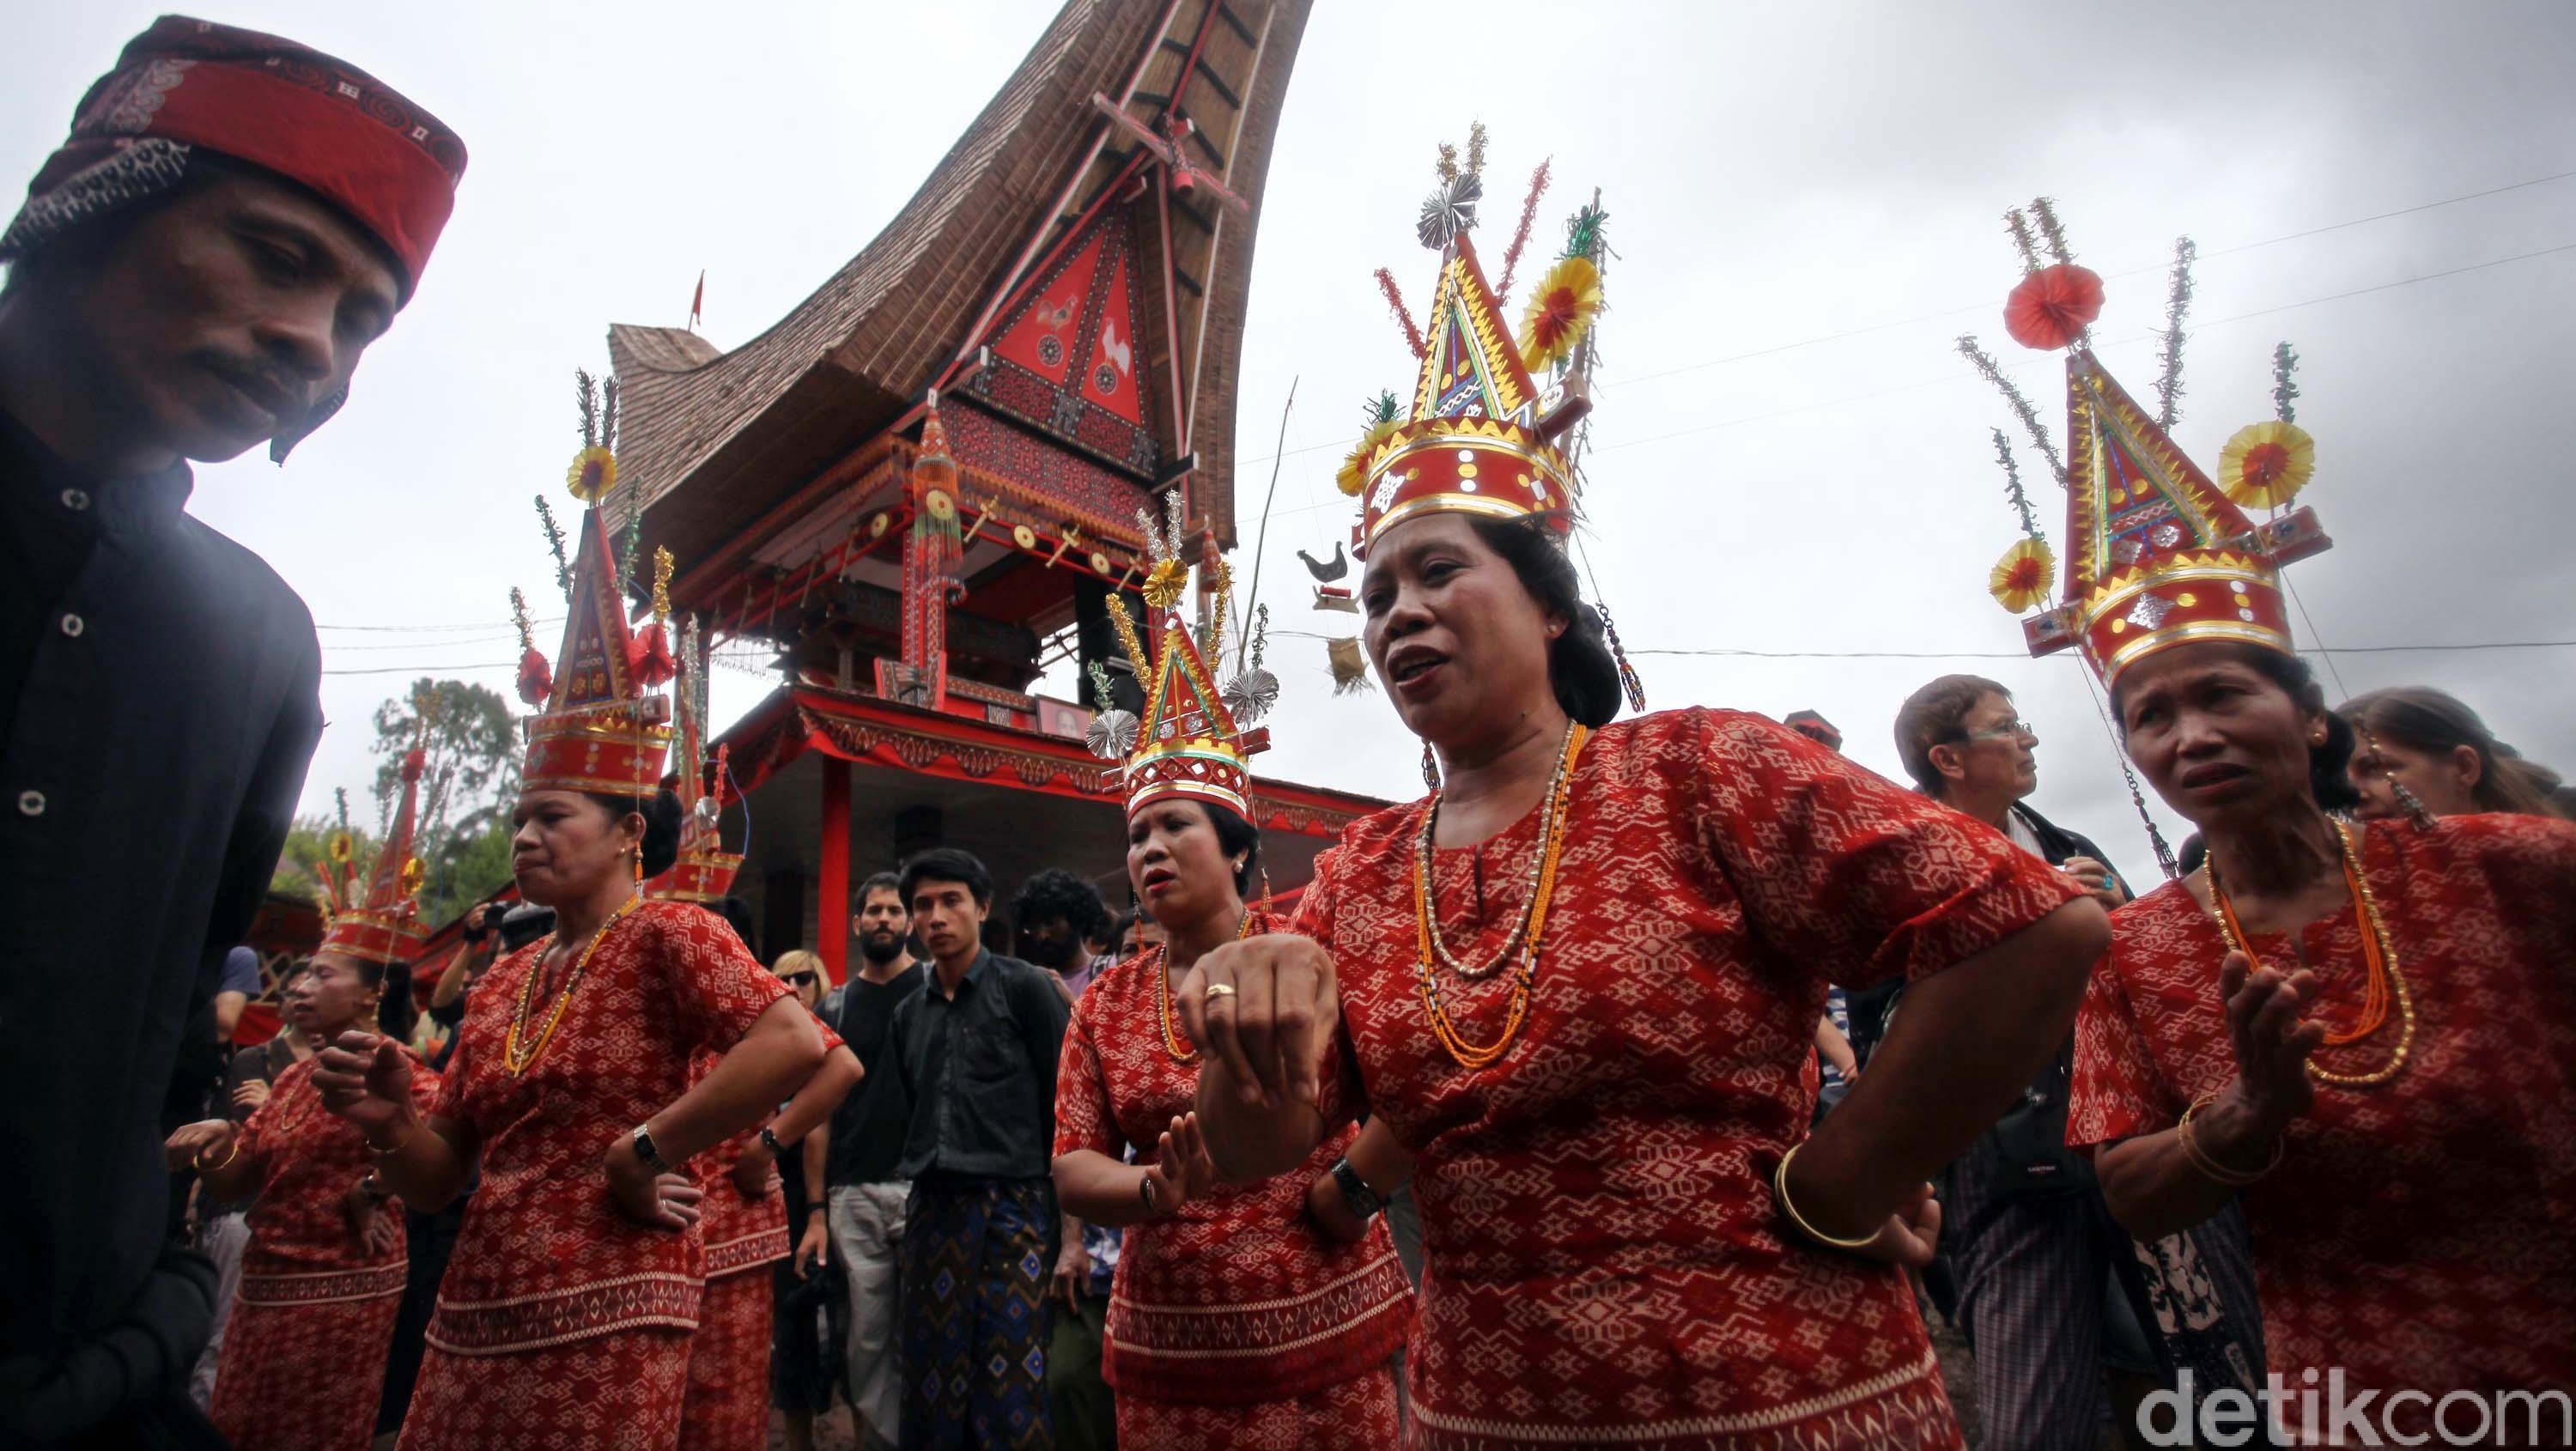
(1804, 201)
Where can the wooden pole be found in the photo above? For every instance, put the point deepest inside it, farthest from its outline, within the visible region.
(832, 892)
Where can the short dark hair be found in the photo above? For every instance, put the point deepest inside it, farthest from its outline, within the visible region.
(2329, 765)
(947, 864)
(1056, 892)
(879, 882)
(1235, 834)
(662, 817)
(1937, 715)
(1579, 666)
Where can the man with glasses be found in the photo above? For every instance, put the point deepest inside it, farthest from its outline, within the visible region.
(2028, 1239)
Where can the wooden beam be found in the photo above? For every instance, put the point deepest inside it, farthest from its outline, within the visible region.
(1209, 75)
(1235, 23)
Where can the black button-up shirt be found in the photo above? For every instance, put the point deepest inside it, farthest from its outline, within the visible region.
(980, 1071)
(161, 693)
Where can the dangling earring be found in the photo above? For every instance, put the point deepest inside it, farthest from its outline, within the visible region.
(1430, 767)
(639, 869)
(1629, 684)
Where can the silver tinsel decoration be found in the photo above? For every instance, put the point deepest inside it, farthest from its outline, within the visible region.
(1450, 210)
(1249, 696)
(1112, 734)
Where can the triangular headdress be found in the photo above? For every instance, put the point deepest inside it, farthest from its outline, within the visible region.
(1196, 735)
(378, 921)
(704, 871)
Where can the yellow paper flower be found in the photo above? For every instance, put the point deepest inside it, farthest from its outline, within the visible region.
(1352, 477)
(1560, 311)
(593, 473)
(2023, 576)
(413, 874)
(342, 848)
(1163, 587)
(2266, 464)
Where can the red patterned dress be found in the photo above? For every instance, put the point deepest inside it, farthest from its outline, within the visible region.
(727, 1405)
(2421, 1234)
(1603, 1261)
(560, 1323)
(1232, 1324)
(304, 1352)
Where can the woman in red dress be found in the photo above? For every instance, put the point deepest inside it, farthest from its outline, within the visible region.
(1580, 985)
(565, 1315)
(2366, 1032)
(322, 1277)
(1232, 1322)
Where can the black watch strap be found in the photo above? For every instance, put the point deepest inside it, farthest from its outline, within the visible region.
(644, 1150)
(1363, 1200)
(769, 1141)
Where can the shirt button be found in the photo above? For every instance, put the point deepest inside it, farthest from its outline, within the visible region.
(75, 499)
(31, 803)
(72, 626)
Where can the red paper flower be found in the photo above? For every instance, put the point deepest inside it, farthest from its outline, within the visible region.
(2053, 306)
(536, 678)
(649, 656)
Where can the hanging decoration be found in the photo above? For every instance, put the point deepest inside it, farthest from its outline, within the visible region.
(2177, 305)
(1520, 234)
(2029, 416)
(1349, 666)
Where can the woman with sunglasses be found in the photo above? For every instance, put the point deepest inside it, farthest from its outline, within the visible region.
(1580, 982)
(1232, 1321)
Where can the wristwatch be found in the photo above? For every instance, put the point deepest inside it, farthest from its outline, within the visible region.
(1145, 1192)
(1356, 1193)
(374, 1188)
(770, 1142)
(644, 1150)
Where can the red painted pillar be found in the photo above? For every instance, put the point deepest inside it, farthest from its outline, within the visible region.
(832, 892)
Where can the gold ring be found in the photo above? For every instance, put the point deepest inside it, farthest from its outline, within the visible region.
(1220, 990)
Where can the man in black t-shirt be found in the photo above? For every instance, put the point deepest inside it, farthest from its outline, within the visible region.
(866, 1196)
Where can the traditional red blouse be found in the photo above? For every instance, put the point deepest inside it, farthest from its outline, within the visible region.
(543, 1258)
(301, 1251)
(1603, 1260)
(2421, 1234)
(741, 1233)
(1235, 1299)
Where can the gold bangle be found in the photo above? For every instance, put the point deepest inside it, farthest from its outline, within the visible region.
(1780, 1195)
(2208, 1166)
(389, 1150)
(205, 1168)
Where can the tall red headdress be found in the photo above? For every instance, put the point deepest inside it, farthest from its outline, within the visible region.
(379, 920)
(704, 871)
(1482, 435)
(599, 728)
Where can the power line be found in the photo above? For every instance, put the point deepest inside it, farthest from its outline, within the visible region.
(1610, 384)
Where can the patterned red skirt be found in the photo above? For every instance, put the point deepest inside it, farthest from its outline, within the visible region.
(303, 1377)
(727, 1405)
(615, 1392)
(1356, 1415)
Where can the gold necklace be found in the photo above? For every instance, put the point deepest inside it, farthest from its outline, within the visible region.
(1530, 910)
(519, 1062)
(2382, 982)
(1172, 1044)
(1466, 1054)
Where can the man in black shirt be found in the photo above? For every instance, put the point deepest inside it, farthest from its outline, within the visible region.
(232, 221)
(866, 1197)
(976, 1051)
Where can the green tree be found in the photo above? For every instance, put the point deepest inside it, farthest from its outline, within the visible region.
(471, 775)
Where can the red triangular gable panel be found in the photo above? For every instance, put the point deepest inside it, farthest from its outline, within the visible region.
(1115, 353)
(1070, 357)
(591, 667)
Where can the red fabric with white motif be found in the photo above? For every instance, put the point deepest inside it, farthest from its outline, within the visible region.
(304, 1350)
(615, 1392)
(1236, 1299)
(1603, 1259)
(1352, 1415)
(739, 1232)
(2421, 1234)
(726, 1407)
(543, 1258)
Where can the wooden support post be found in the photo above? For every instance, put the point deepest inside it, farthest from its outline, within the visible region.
(832, 891)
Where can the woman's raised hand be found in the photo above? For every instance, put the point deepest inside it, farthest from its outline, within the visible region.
(1182, 1170)
(365, 1078)
(2272, 1039)
(1265, 1010)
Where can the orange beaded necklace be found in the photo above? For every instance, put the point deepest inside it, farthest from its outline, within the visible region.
(2383, 984)
(1525, 936)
